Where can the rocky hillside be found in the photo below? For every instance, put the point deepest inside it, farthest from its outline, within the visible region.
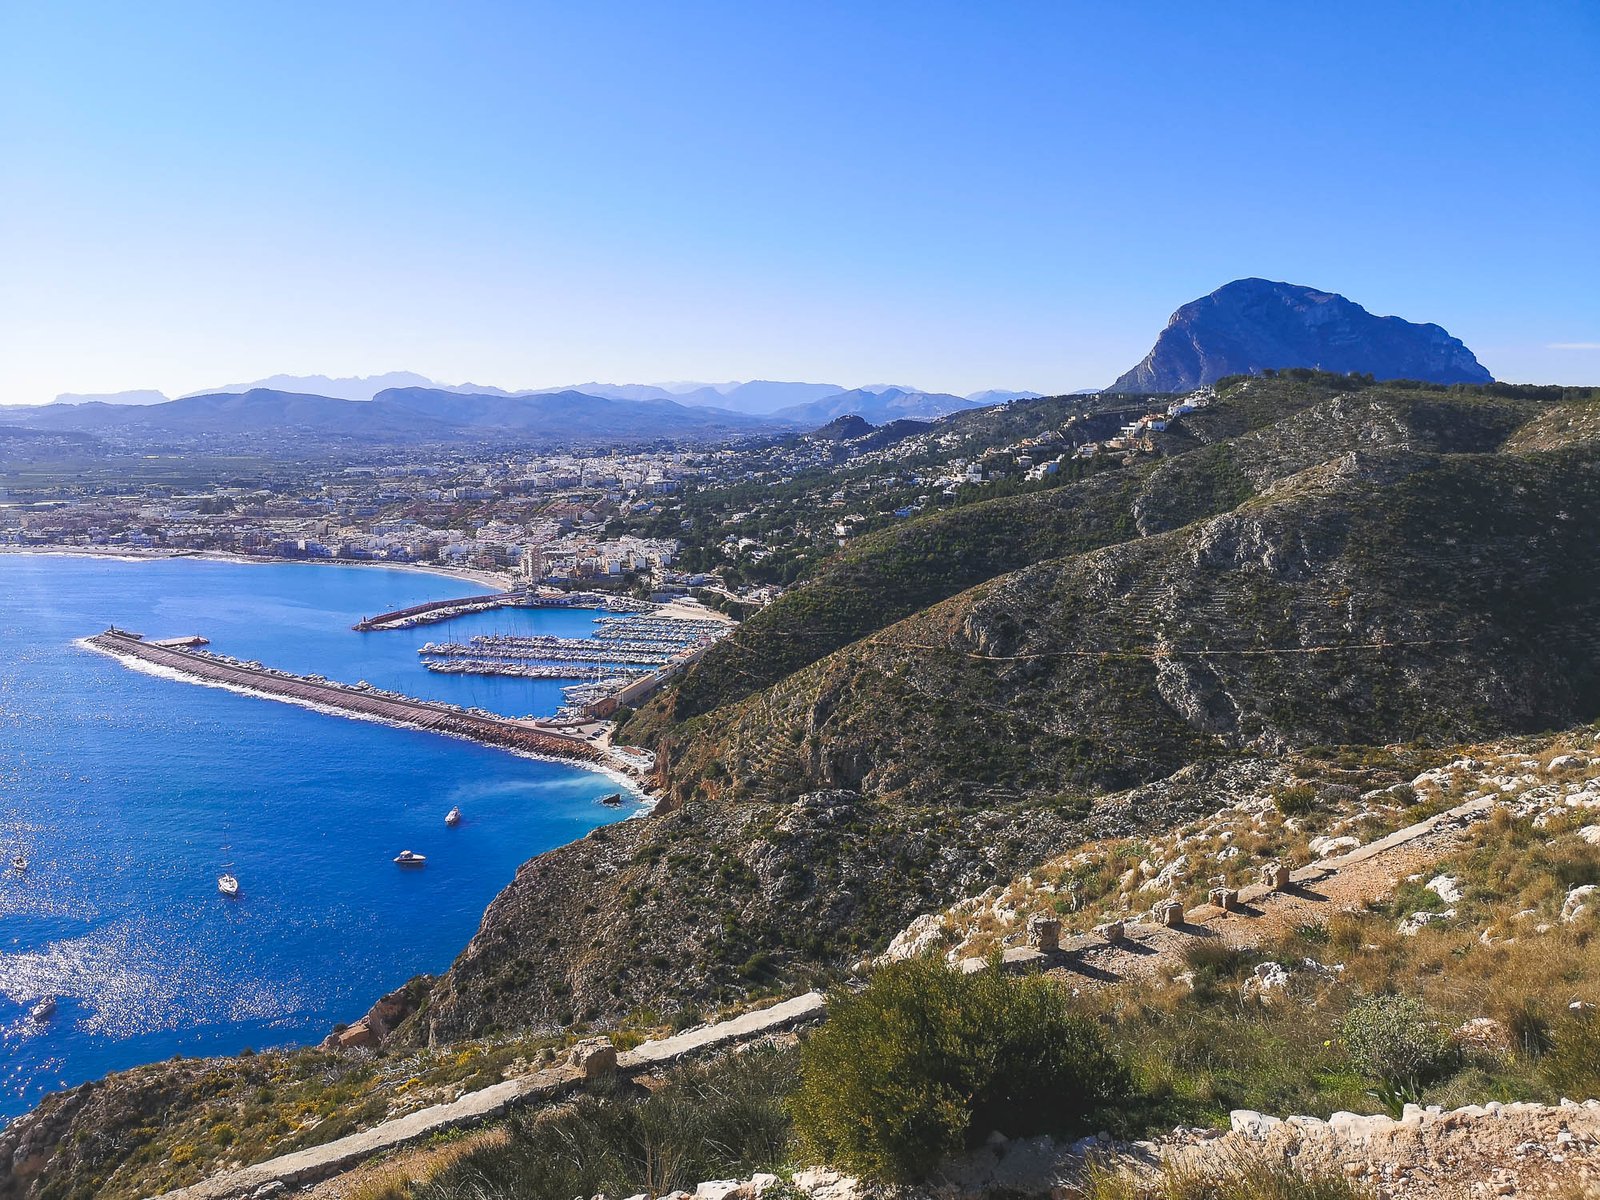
(1379, 570)
(1209, 466)
(1251, 325)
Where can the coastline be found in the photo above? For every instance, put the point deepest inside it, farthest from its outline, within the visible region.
(498, 580)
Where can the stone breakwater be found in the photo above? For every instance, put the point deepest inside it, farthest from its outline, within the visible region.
(366, 702)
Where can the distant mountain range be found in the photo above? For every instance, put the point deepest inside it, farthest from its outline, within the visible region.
(1251, 325)
(404, 408)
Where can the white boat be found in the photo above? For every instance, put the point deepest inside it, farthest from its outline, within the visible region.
(44, 1010)
(227, 885)
(453, 817)
(407, 858)
(19, 863)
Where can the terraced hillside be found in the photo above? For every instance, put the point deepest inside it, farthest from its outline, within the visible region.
(1373, 566)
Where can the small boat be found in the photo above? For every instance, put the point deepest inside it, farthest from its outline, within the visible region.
(612, 801)
(227, 885)
(407, 858)
(44, 1010)
(19, 863)
(453, 817)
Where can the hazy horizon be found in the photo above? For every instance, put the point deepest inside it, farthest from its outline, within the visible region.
(968, 196)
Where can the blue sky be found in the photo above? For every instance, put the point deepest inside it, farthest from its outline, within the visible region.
(954, 196)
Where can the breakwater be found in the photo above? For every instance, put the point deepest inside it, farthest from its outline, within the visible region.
(442, 610)
(358, 699)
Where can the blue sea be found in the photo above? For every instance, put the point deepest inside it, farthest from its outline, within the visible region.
(129, 794)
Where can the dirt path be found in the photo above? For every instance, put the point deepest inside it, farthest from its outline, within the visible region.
(1262, 915)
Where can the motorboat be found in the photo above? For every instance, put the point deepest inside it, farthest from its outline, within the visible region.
(408, 858)
(453, 817)
(44, 1010)
(19, 863)
(227, 885)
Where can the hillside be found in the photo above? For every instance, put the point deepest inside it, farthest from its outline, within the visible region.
(1251, 325)
(1380, 594)
(1258, 431)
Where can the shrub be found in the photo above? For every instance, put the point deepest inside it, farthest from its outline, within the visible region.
(927, 1061)
(1572, 1066)
(1391, 1038)
(1298, 801)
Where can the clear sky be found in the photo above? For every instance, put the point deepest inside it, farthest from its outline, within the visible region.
(950, 195)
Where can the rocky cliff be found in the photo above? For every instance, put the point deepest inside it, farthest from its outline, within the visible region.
(1251, 325)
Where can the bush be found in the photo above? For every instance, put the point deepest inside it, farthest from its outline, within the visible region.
(1391, 1038)
(1572, 1066)
(927, 1061)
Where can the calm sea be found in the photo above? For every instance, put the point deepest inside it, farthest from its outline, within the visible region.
(128, 794)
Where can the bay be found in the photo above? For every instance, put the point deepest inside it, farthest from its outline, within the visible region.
(129, 793)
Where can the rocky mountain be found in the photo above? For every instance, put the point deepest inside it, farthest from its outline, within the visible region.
(1251, 325)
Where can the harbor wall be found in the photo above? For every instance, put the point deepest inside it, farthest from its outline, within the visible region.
(415, 714)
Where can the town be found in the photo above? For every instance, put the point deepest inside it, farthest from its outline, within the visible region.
(733, 524)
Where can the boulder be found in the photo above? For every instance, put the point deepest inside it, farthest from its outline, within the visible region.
(1111, 931)
(1169, 913)
(593, 1057)
(1275, 875)
(357, 1035)
(1446, 887)
(1577, 902)
(1227, 899)
(1044, 932)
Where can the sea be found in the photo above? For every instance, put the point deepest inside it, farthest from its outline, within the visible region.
(128, 794)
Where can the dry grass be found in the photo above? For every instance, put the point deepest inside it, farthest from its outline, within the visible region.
(398, 1178)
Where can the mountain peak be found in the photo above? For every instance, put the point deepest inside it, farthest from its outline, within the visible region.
(1252, 325)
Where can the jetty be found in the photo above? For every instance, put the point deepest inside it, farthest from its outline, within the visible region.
(442, 610)
(361, 699)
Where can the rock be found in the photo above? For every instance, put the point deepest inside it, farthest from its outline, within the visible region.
(275, 1187)
(1111, 931)
(1227, 899)
(1482, 1036)
(1251, 1123)
(1413, 923)
(1327, 847)
(1168, 913)
(357, 1035)
(1446, 887)
(1567, 762)
(1577, 902)
(1044, 933)
(926, 933)
(718, 1189)
(594, 1057)
(1275, 876)
(1267, 978)
(1590, 834)
(1171, 873)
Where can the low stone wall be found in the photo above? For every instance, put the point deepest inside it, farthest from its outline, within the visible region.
(475, 1108)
